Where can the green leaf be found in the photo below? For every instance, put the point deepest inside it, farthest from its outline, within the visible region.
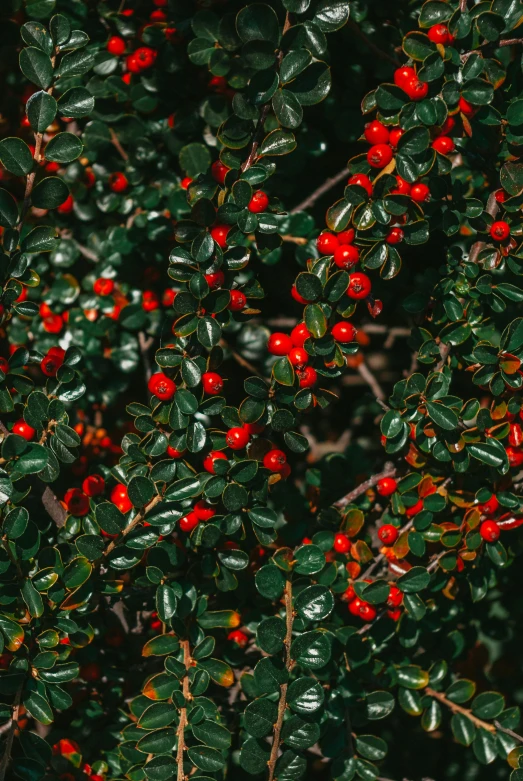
(314, 603)
(8, 210)
(312, 85)
(260, 716)
(488, 705)
(311, 650)
(141, 490)
(212, 734)
(442, 416)
(36, 66)
(258, 22)
(278, 142)
(300, 734)
(41, 111)
(63, 148)
(270, 634)
(379, 704)
(206, 758)
(49, 193)
(305, 696)
(76, 102)
(38, 707)
(195, 159)
(287, 108)
(40, 239)
(269, 582)
(416, 579)
(16, 156)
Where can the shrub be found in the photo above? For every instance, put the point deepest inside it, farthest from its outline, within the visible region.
(261, 455)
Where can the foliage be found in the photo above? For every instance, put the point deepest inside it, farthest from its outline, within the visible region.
(197, 580)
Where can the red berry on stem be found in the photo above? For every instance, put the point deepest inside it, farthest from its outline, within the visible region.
(466, 108)
(500, 230)
(115, 45)
(94, 485)
(376, 132)
(219, 171)
(275, 460)
(420, 192)
(379, 155)
(501, 196)
(403, 75)
(444, 145)
(204, 511)
(118, 182)
(215, 279)
(238, 638)
(386, 486)
(24, 430)
(258, 202)
(395, 135)
(67, 206)
(347, 236)
(237, 438)
(238, 301)
(4, 365)
(343, 332)
(279, 344)
(362, 180)
(416, 89)
(327, 243)
(212, 383)
(359, 286)
(120, 498)
(186, 181)
(299, 334)
(188, 522)
(172, 452)
(297, 297)
(103, 286)
(341, 543)
(161, 386)
(490, 531)
(394, 236)
(491, 506)
(388, 534)
(439, 33)
(346, 256)
(395, 597)
(298, 356)
(307, 377)
(77, 502)
(402, 186)
(219, 234)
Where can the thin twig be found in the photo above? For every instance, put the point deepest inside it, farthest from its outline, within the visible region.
(327, 185)
(145, 344)
(389, 471)
(455, 708)
(136, 520)
(241, 360)
(366, 374)
(371, 45)
(180, 732)
(463, 5)
(508, 731)
(117, 145)
(4, 763)
(289, 617)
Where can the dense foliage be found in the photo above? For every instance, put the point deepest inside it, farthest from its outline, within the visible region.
(261, 410)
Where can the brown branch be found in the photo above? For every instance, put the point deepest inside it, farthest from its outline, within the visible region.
(510, 42)
(145, 344)
(366, 374)
(117, 145)
(455, 708)
(180, 732)
(134, 523)
(327, 185)
(256, 140)
(4, 762)
(508, 731)
(282, 704)
(389, 471)
(463, 6)
(371, 45)
(241, 360)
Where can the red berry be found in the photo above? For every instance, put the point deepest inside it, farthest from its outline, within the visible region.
(299, 334)
(238, 301)
(279, 344)
(359, 286)
(394, 236)
(173, 453)
(253, 428)
(515, 436)
(188, 522)
(376, 132)
(237, 438)
(307, 377)
(212, 383)
(420, 192)
(500, 230)
(402, 186)
(215, 279)
(161, 386)
(150, 301)
(416, 89)
(327, 243)
(367, 612)
(341, 543)
(238, 637)
(466, 108)
(203, 511)
(491, 506)
(53, 324)
(126, 78)
(347, 237)
(379, 155)
(219, 234)
(275, 460)
(115, 45)
(67, 206)
(415, 509)
(346, 256)
(94, 485)
(447, 126)
(77, 502)
(443, 144)
(439, 33)
(386, 486)
(103, 286)
(395, 614)
(395, 135)
(52, 168)
(210, 458)
(298, 356)
(515, 456)
(388, 534)
(501, 196)
(145, 57)
(118, 182)
(120, 498)
(52, 361)
(490, 531)
(219, 171)
(403, 75)
(395, 597)
(186, 181)
(362, 180)
(4, 365)
(24, 430)
(258, 202)
(343, 332)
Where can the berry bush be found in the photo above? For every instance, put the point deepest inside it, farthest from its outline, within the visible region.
(261, 408)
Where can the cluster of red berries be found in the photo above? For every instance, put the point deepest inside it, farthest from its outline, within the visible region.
(77, 500)
(367, 612)
(52, 361)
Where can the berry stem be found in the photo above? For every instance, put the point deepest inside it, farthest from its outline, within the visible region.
(282, 704)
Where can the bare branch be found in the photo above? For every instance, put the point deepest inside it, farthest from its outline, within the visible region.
(327, 185)
(389, 471)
